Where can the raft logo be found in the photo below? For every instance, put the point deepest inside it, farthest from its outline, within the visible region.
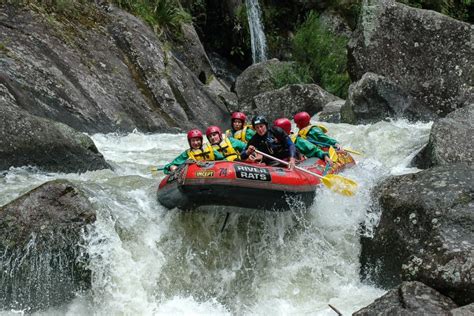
(204, 173)
(252, 173)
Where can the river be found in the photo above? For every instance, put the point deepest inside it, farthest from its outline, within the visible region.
(148, 260)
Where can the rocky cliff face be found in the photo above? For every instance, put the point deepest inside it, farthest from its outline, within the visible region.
(428, 54)
(101, 74)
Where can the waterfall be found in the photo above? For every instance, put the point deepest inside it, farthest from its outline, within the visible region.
(257, 35)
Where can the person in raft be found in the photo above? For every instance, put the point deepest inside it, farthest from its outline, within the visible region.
(273, 141)
(302, 145)
(239, 130)
(313, 133)
(197, 151)
(229, 147)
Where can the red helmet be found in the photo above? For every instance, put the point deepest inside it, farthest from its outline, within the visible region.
(194, 133)
(302, 119)
(239, 116)
(284, 124)
(213, 129)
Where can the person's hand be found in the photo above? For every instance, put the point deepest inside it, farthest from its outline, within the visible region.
(250, 150)
(173, 168)
(338, 146)
(291, 163)
(328, 160)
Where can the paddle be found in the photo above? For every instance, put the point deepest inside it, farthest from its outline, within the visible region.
(335, 182)
(352, 151)
(333, 154)
(154, 170)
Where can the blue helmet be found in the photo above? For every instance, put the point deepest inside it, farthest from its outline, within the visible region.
(259, 119)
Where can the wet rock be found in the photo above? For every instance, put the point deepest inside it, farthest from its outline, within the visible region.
(450, 140)
(410, 298)
(27, 140)
(428, 54)
(43, 259)
(255, 80)
(374, 98)
(331, 112)
(108, 73)
(291, 99)
(426, 232)
(466, 310)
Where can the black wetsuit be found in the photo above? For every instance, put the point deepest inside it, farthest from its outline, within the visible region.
(275, 142)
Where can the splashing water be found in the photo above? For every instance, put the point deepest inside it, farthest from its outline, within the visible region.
(147, 260)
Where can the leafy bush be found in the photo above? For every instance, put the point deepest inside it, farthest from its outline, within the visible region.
(289, 73)
(164, 15)
(323, 54)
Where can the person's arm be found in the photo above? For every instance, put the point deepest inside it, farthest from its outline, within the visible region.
(318, 135)
(237, 144)
(249, 134)
(218, 155)
(309, 149)
(178, 161)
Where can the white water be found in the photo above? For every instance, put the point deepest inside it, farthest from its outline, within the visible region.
(257, 34)
(150, 261)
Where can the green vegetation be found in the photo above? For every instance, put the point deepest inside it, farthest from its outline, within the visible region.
(162, 15)
(458, 9)
(289, 73)
(323, 54)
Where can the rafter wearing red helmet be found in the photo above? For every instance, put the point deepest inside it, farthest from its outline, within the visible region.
(229, 147)
(239, 130)
(313, 133)
(195, 152)
(303, 146)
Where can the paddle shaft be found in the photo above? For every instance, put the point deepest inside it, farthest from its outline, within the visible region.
(286, 163)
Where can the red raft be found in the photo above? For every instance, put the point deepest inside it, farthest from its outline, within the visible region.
(243, 184)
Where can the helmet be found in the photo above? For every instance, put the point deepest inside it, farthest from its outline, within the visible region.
(284, 124)
(213, 129)
(194, 133)
(302, 119)
(238, 116)
(259, 119)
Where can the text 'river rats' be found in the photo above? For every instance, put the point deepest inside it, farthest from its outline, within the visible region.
(252, 173)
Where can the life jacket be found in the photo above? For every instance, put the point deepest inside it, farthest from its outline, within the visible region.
(293, 138)
(225, 147)
(304, 131)
(204, 153)
(240, 134)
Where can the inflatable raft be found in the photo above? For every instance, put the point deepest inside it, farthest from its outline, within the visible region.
(243, 184)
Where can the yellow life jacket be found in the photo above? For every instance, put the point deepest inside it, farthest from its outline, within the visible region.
(240, 134)
(304, 131)
(293, 138)
(225, 147)
(205, 153)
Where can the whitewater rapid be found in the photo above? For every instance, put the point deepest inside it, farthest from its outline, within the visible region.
(147, 260)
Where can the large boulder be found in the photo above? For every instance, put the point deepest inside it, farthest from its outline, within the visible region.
(450, 140)
(254, 80)
(430, 55)
(42, 243)
(291, 99)
(374, 98)
(410, 298)
(331, 112)
(426, 232)
(29, 140)
(104, 72)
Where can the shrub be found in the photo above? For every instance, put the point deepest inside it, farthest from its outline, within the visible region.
(289, 73)
(323, 54)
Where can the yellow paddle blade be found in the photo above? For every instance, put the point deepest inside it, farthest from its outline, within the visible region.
(333, 154)
(352, 151)
(340, 184)
(154, 171)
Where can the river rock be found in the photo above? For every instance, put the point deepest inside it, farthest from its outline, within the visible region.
(43, 261)
(466, 310)
(331, 112)
(27, 140)
(374, 98)
(255, 80)
(451, 140)
(410, 298)
(426, 232)
(291, 99)
(430, 55)
(105, 72)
